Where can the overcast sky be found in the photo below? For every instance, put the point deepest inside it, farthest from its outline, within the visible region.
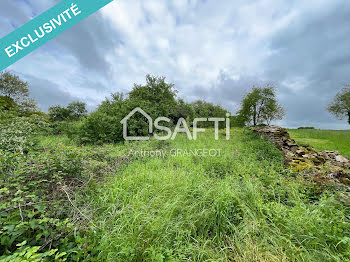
(212, 50)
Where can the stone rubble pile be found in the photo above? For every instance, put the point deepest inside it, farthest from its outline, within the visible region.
(305, 158)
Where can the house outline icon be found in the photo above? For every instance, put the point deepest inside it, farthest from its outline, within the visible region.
(125, 126)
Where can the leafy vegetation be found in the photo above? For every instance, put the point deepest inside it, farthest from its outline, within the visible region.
(73, 112)
(306, 127)
(72, 191)
(33, 213)
(15, 93)
(241, 206)
(261, 106)
(340, 106)
(38, 214)
(156, 98)
(17, 134)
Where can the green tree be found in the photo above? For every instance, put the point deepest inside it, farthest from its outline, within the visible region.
(58, 113)
(74, 111)
(182, 110)
(273, 111)
(206, 110)
(158, 96)
(12, 87)
(237, 121)
(7, 103)
(340, 106)
(260, 105)
(103, 125)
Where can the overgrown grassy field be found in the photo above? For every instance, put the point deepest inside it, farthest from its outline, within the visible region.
(239, 206)
(337, 140)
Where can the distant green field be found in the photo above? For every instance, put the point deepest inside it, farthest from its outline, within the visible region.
(338, 140)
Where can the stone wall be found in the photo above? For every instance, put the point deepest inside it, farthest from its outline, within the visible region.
(328, 164)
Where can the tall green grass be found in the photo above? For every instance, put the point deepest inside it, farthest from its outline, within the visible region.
(337, 140)
(241, 206)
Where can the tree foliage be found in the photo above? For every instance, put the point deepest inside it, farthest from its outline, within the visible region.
(74, 111)
(58, 113)
(156, 94)
(183, 110)
(206, 110)
(157, 98)
(8, 104)
(261, 106)
(15, 89)
(103, 125)
(12, 86)
(340, 106)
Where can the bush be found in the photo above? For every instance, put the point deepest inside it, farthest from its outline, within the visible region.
(236, 121)
(69, 128)
(59, 162)
(33, 211)
(100, 127)
(306, 127)
(74, 111)
(103, 125)
(7, 103)
(35, 113)
(7, 117)
(17, 134)
(207, 110)
(9, 161)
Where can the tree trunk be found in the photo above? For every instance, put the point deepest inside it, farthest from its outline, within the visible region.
(349, 117)
(254, 116)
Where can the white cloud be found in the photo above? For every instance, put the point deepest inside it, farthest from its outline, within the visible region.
(190, 42)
